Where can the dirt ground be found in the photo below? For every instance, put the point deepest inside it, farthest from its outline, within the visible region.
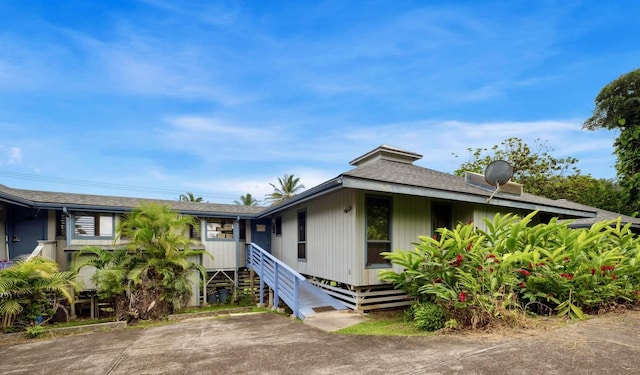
(273, 344)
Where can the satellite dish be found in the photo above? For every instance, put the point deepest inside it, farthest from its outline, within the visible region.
(498, 173)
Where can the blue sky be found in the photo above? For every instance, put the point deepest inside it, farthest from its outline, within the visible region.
(222, 98)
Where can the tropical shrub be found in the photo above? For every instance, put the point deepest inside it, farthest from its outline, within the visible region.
(428, 316)
(513, 267)
(149, 276)
(30, 292)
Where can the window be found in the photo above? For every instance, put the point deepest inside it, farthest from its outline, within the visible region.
(93, 224)
(61, 224)
(278, 225)
(242, 227)
(441, 217)
(194, 230)
(378, 211)
(302, 234)
(219, 229)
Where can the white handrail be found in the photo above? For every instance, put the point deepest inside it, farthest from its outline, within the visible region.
(36, 252)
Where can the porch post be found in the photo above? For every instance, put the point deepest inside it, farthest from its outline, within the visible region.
(276, 285)
(261, 276)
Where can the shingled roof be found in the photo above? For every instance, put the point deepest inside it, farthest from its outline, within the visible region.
(399, 173)
(47, 199)
(385, 169)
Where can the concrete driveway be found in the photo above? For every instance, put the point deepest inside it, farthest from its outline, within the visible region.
(273, 344)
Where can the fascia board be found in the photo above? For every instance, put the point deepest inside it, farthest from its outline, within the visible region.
(389, 187)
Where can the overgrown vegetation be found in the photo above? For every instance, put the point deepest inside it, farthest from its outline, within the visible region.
(543, 174)
(513, 268)
(617, 107)
(30, 292)
(149, 277)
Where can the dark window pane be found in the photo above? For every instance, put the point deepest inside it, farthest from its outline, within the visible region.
(302, 234)
(302, 250)
(278, 225)
(378, 211)
(243, 230)
(373, 252)
(302, 226)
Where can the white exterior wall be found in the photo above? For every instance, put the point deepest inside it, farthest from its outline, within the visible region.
(330, 237)
(226, 255)
(480, 212)
(411, 217)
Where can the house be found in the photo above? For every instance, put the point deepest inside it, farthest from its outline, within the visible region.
(331, 234)
(57, 225)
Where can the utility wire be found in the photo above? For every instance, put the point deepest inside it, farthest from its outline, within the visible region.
(106, 185)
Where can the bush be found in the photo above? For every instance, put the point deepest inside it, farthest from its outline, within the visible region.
(428, 316)
(497, 275)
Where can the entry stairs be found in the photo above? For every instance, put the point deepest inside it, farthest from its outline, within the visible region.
(302, 297)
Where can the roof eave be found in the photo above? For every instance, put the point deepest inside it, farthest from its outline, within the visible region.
(322, 189)
(390, 187)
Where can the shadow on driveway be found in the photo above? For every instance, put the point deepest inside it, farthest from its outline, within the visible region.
(272, 344)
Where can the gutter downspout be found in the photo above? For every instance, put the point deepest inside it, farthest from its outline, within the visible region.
(236, 239)
(67, 234)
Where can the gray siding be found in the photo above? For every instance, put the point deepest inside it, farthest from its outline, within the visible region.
(330, 237)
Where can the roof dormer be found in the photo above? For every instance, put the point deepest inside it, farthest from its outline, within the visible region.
(387, 153)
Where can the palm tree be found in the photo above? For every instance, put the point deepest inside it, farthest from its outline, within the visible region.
(30, 291)
(150, 276)
(189, 197)
(289, 186)
(246, 200)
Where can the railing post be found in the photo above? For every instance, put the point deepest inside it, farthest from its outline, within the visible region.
(296, 296)
(276, 285)
(261, 278)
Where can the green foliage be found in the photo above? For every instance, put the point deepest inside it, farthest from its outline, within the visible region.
(617, 107)
(189, 197)
(246, 200)
(30, 291)
(35, 331)
(289, 185)
(545, 175)
(512, 267)
(531, 166)
(149, 276)
(428, 316)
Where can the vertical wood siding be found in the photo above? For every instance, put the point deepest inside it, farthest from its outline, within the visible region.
(330, 237)
(411, 218)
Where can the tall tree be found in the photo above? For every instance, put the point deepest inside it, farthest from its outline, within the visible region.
(150, 276)
(246, 200)
(189, 197)
(617, 107)
(543, 174)
(289, 185)
(532, 167)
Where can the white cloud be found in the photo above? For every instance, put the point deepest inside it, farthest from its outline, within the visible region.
(10, 155)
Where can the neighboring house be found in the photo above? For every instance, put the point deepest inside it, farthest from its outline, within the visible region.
(332, 234)
(59, 224)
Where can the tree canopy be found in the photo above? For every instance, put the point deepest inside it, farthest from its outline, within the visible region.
(246, 200)
(289, 185)
(543, 174)
(149, 276)
(189, 197)
(617, 107)
(532, 167)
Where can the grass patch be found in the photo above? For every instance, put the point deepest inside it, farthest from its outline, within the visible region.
(385, 323)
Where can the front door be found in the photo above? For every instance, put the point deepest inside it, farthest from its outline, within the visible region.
(261, 233)
(25, 227)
